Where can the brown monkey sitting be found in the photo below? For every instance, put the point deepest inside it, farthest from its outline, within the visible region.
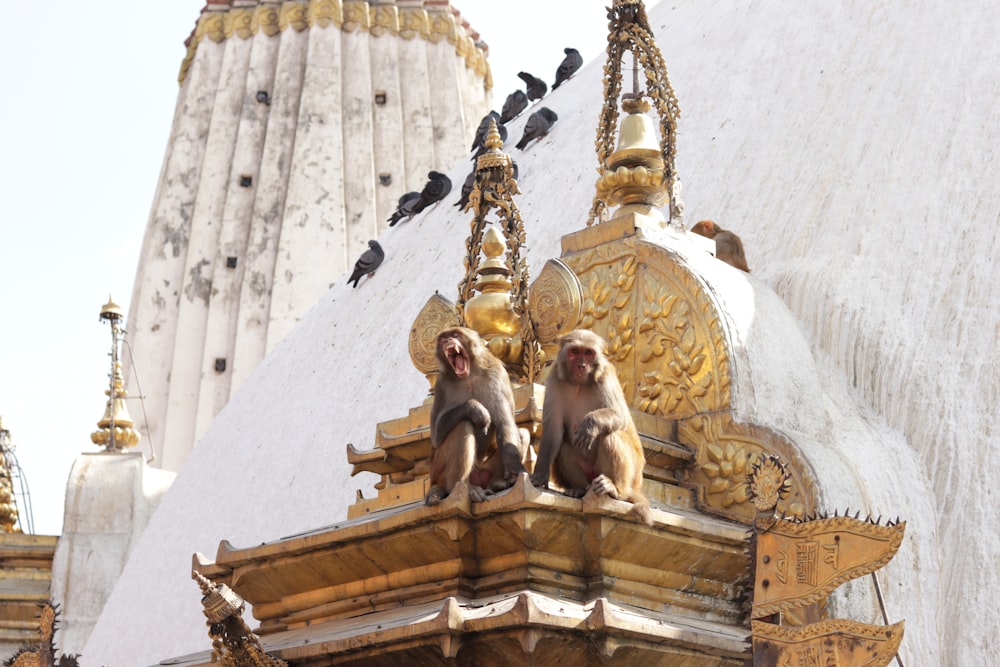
(589, 441)
(473, 433)
(728, 246)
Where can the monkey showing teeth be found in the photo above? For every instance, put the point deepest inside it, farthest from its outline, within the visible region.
(589, 441)
(474, 437)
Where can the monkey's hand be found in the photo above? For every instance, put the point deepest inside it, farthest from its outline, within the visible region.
(478, 494)
(603, 486)
(586, 434)
(478, 415)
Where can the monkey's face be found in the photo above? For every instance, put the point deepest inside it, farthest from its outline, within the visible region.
(453, 351)
(581, 361)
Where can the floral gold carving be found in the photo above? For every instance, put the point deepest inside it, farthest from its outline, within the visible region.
(265, 20)
(442, 26)
(237, 22)
(555, 301)
(355, 16)
(385, 19)
(767, 483)
(663, 332)
(324, 13)
(351, 15)
(293, 15)
(725, 452)
(437, 314)
(212, 26)
(413, 22)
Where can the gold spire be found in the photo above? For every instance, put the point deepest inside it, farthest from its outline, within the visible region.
(115, 432)
(8, 505)
(641, 172)
(493, 297)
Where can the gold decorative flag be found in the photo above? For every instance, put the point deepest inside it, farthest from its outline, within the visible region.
(837, 642)
(801, 563)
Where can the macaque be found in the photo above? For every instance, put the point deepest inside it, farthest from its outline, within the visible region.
(474, 436)
(728, 246)
(589, 441)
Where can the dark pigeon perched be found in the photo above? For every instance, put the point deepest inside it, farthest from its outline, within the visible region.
(538, 125)
(516, 103)
(567, 68)
(470, 182)
(370, 260)
(405, 208)
(535, 86)
(437, 188)
(478, 146)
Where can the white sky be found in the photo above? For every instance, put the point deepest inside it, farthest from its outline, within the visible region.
(88, 99)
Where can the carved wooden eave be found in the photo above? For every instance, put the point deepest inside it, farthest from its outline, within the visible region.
(528, 573)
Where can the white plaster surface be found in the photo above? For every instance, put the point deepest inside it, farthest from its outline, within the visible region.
(314, 158)
(852, 146)
(109, 500)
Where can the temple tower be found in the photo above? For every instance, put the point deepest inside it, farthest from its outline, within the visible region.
(287, 153)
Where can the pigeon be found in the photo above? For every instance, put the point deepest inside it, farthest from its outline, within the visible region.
(484, 127)
(437, 188)
(370, 260)
(405, 208)
(470, 182)
(568, 66)
(538, 125)
(536, 87)
(516, 103)
(478, 146)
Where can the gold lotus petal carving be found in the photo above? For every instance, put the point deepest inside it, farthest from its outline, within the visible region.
(324, 13)
(355, 16)
(413, 22)
(555, 301)
(237, 22)
(385, 20)
(294, 15)
(212, 26)
(351, 15)
(266, 20)
(437, 314)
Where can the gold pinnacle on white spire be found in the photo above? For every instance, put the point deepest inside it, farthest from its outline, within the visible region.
(115, 432)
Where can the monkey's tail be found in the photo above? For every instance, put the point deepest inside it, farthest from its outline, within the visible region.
(641, 509)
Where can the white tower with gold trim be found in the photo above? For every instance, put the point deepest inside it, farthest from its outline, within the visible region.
(298, 126)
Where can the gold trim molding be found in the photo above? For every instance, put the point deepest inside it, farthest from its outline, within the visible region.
(407, 22)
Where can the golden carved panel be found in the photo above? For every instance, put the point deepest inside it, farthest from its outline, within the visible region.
(725, 450)
(555, 301)
(802, 563)
(839, 642)
(437, 314)
(663, 331)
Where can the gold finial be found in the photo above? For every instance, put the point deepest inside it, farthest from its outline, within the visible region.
(115, 432)
(9, 516)
(632, 174)
(493, 295)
